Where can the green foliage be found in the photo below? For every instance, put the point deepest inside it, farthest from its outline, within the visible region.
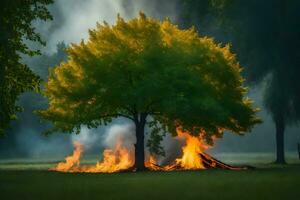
(16, 17)
(156, 136)
(145, 67)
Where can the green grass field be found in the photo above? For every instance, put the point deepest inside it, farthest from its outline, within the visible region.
(20, 181)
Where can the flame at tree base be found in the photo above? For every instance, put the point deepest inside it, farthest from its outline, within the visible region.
(113, 161)
(72, 163)
(190, 159)
(194, 146)
(121, 158)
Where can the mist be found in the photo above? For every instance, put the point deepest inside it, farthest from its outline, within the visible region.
(72, 20)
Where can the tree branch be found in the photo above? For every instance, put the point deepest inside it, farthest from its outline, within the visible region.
(117, 115)
(126, 116)
(154, 113)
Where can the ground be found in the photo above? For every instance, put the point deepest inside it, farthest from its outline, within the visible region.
(265, 182)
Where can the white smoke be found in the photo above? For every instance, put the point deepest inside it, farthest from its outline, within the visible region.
(172, 147)
(106, 138)
(87, 137)
(80, 16)
(73, 19)
(120, 132)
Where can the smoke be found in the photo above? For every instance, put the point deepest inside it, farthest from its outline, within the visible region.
(90, 138)
(108, 137)
(80, 16)
(34, 145)
(262, 137)
(120, 132)
(25, 138)
(73, 19)
(172, 148)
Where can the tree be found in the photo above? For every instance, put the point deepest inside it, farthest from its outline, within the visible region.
(40, 64)
(149, 72)
(275, 47)
(265, 35)
(279, 40)
(192, 12)
(28, 122)
(16, 27)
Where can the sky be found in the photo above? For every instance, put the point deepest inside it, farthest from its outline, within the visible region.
(72, 20)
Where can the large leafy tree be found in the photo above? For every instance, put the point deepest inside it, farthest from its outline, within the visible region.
(266, 36)
(16, 17)
(149, 71)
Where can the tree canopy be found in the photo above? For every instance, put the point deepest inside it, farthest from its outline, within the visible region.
(145, 67)
(16, 17)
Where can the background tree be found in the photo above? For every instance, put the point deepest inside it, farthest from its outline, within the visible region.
(201, 13)
(149, 71)
(266, 36)
(276, 47)
(16, 18)
(28, 124)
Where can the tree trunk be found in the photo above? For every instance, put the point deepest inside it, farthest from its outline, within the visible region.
(139, 163)
(279, 120)
(298, 145)
(280, 126)
(3, 114)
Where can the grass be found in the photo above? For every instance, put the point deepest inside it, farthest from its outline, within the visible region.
(271, 183)
(30, 180)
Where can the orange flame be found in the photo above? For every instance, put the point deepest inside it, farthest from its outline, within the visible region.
(121, 158)
(190, 158)
(193, 147)
(71, 162)
(115, 159)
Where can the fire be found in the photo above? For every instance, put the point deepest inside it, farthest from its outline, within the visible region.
(191, 151)
(190, 158)
(121, 157)
(71, 162)
(115, 159)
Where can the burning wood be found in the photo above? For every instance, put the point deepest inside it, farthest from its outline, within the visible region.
(120, 158)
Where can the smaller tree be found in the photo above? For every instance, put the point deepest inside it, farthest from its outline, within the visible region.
(16, 18)
(149, 71)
